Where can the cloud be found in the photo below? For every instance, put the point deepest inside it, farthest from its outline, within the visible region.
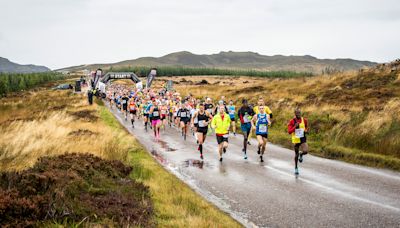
(60, 33)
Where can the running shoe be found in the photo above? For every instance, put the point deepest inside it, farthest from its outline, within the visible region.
(248, 143)
(296, 171)
(258, 151)
(224, 149)
(201, 156)
(220, 159)
(245, 156)
(261, 159)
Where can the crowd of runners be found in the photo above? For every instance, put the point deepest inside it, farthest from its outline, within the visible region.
(156, 110)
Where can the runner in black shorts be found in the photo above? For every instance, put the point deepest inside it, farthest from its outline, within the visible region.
(124, 101)
(203, 119)
(184, 119)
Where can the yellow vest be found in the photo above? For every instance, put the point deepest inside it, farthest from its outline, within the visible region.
(221, 126)
(302, 128)
(266, 108)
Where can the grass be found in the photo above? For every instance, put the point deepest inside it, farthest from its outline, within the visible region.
(42, 122)
(176, 205)
(353, 116)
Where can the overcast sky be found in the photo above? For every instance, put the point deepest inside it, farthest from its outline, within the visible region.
(60, 33)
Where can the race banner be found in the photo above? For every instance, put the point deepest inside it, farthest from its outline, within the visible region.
(151, 77)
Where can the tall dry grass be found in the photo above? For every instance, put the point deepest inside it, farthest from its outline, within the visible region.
(354, 110)
(28, 133)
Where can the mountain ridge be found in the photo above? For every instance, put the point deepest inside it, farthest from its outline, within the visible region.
(6, 66)
(238, 60)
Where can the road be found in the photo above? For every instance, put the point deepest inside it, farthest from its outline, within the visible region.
(327, 193)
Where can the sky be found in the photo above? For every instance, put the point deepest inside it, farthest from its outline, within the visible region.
(61, 33)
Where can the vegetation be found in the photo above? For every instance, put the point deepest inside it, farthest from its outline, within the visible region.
(12, 82)
(353, 116)
(74, 188)
(184, 71)
(53, 123)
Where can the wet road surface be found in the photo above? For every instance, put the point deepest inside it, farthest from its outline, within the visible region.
(327, 193)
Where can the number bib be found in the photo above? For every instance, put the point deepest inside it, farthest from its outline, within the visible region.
(225, 136)
(155, 113)
(262, 128)
(183, 114)
(246, 118)
(299, 133)
(202, 123)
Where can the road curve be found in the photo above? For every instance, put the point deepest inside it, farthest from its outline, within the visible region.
(327, 193)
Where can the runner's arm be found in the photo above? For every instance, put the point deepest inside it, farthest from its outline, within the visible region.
(291, 126)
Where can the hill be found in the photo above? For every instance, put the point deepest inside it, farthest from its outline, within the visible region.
(6, 66)
(240, 60)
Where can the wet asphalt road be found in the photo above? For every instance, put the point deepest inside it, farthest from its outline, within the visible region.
(327, 193)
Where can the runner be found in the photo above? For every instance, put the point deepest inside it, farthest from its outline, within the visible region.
(231, 110)
(132, 111)
(209, 106)
(256, 111)
(203, 118)
(154, 114)
(145, 105)
(164, 114)
(298, 127)
(261, 122)
(124, 101)
(245, 114)
(184, 118)
(221, 123)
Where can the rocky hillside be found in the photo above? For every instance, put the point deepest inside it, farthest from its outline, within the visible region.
(6, 66)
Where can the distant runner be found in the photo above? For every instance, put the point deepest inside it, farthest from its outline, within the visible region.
(154, 114)
(261, 122)
(232, 112)
(124, 101)
(298, 127)
(221, 123)
(203, 118)
(245, 114)
(132, 111)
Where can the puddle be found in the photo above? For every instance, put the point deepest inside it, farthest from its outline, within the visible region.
(158, 156)
(195, 163)
(165, 146)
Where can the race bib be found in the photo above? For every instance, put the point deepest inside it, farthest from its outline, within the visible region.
(132, 108)
(262, 128)
(225, 136)
(195, 120)
(202, 123)
(155, 113)
(183, 114)
(123, 101)
(299, 133)
(232, 112)
(246, 118)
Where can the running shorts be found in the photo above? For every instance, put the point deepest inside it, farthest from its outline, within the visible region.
(202, 130)
(185, 120)
(155, 122)
(263, 135)
(246, 127)
(221, 139)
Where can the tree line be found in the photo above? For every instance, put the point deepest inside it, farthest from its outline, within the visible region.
(193, 71)
(12, 82)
